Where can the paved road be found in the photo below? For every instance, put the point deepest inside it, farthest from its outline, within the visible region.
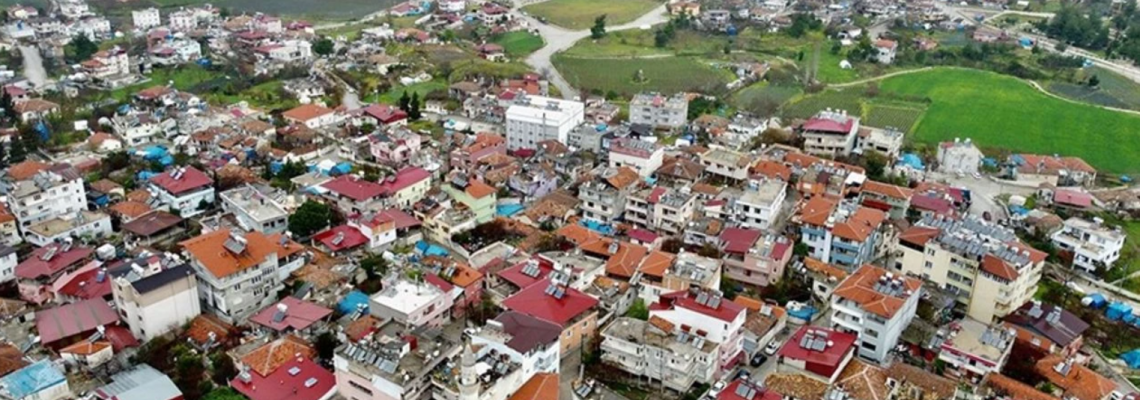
(558, 39)
(983, 191)
(33, 66)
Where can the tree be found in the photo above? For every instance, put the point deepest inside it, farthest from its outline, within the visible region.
(326, 345)
(599, 29)
(638, 310)
(224, 393)
(374, 266)
(414, 108)
(9, 107)
(876, 164)
(1094, 81)
(660, 39)
(310, 218)
(324, 46)
(223, 368)
(80, 48)
(405, 101)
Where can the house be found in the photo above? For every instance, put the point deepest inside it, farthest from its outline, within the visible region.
(959, 156)
(985, 265)
(756, 207)
(679, 172)
(663, 273)
(35, 109)
(659, 350)
(1049, 327)
(976, 349)
(752, 257)
(394, 365)
(841, 233)
(81, 224)
(256, 210)
(66, 324)
(885, 50)
(819, 353)
(894, 200)
(141, 382)
(876, 306)
(385, 116)
(88, 354)
(643, 157)
(107, 66)
(887, 141)
(479, 197)
(1092, 244)
(355, 195)
(603, 197)
(36, 273)
(412, 304)
(830, 133)
(40, 192)
(296, 377)
(491, 51)
(42, 380)
(185, 189)
(290, 315)
(103, 142)
(311, 115)
(238, 274)
(1055, 170)
(551, 300)
(707, 314)
(731, 166)
(1073, 380)
(660, 209)
(146, 18)
(154, 301)
(8, 263)
(659, 111)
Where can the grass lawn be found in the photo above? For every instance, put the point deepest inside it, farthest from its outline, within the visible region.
(580, 14)
(757, 96)
(422, 88)
(268, 96)
(1113, 90)
(519, 43)
(665, 74)
(1004, 112)
(848, 99)
(184, 78)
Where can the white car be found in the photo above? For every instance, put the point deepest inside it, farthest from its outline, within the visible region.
(772, 348)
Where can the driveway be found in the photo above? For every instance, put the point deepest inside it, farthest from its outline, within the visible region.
(558, 39)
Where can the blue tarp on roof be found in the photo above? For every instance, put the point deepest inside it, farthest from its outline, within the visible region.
(912, 160)
(1117, 311)
(1096, 300)
(1129, 318)
(804, 313)
(352, 301)
(33, 379)
(1132, 358)
(155, 152)
(145, 176)
(598, 227)
(507, 210)
(1019, 210)
(429, 249)
(341, 169)
(990, 162)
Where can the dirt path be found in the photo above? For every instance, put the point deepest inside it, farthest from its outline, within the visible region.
(877, 78)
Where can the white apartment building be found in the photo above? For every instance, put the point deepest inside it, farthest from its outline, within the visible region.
(875, 305)
(154, 301)
(660, 351)
(72, 9)
(533, 119)
(106, 64)
(660, 209)
(288, 51)
(8, 262)
(721, 320)
(658, 111)
(238, 274)
(758, 206)
(413, 304)
(183, 20)
(727, 164)
(146, 19)
(990, 271)
(976, 349)
(959, 156)
(526, 340)
(254, 210)
(1094, 245)
(80, 224)
(663, 273)
(95, 28)
(46, 195)
(184, 189)
(830, 133)
(644, 157)
(136, 129)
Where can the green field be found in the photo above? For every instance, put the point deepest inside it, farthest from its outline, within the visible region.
(1004, 112)
(890, 116)
(519, 43)
(759, 96)
(422, 88)
(580, 14)
(850, 100)
(664, 74)
(1113, 90)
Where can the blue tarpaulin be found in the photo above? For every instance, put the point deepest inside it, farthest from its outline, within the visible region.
(507, 210)
(598, 227)
(1129, 318)
(1132, 358)
(429, 249)
(155, 152)
(341, 169)
(1019, 210)
(1117, 311)
(990, 162)
(1095, 300)
(145, 175)
(804, 313)
(352, 301)
(275, 167)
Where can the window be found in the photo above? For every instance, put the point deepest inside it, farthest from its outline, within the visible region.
(357, 386)
(869, 346)
(929, 264)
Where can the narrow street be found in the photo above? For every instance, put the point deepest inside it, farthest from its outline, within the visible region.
(33, 65)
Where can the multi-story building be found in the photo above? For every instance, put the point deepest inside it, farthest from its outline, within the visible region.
(876, 306)
(959, 157)
(662, 273)
(154, 301)
(552, 300)
(395, 146)
(533, 119)
(756, 207)
(887, 142)
(476, 382)
(146, 18)
(841, 233)
(603, 198)
(413, 304)
(727, 164)
(352, 194)
(975, 349)
(239, 274)
(107, 64)
(185, 189)
(818, 353)
(1052, 169)
(88, 224)
(894, 200)
(830, 133)
(983, 264)
(656, 110)
(1049, 327)
(660, 351)
(8, 262)
(479, 197)
(45, 194)
(395, 365)
(707, 314)
(1093, 245)
(529, 341)
(660, 209)
(644, 157)
(255, 211)
(137, 128)
(753, 258)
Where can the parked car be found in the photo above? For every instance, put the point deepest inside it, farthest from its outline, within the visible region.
(772, 348)
(758, 360)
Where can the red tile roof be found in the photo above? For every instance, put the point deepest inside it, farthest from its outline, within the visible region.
(533, 301)
(385, 113)
(829, 125)
(350, 238)
(739, 240)
(120, 338)
(860, 288)
(538, 387)
(191, 179)
(298, 379)
(35, 266)
(860, 225)
(85, 284)
(825, 362)
(354, 187)
(1072, 198)
(298, 314)
(73, 319)
(306, 112)
(918, 235)
(758, 392)
(817, 210)
(515, 276)
(937, 205)
(993, 265)
(1081, 383)
(642, 235)
(888, 190)
(726, 311)
(404, 178)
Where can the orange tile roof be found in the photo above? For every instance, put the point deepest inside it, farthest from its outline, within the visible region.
(919, 235)
(747, 302)
(86, 348)
(306, 112)
(538, 387)
(860, 225)
(204, 324)
(825, 268)
(209, 250)
(1014, 388)
(860, 288)
(130, 209)
(661, 323)
(358, 329)
(141, 195)
(26, 169)
(704, 188)
(657, 263)
(996, 266)
(1081, 382)
(888, 190)
(478, 190)
(624, 177)
(863, 381)
(285, 249)
(930, 383)
(578, 234)
(267, 358)
(11, 359)
(772, 169)
(624, 262)
(817, 210)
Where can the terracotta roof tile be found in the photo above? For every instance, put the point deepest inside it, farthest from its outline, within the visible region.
(130, 209)
(661, 323)
(26, 169)
(538, 387)
(478, 190)
(826, 269)
(860, 288)
(86, 348)
(863, 381)
(1013, 388)
(623, 177)
(817, 210)
(1081, 382)
(657, 263)
(888, 190)
(930, 383)
(267, 358)
(202, 325)
(209, 250)
(798, 386)
(859, 226)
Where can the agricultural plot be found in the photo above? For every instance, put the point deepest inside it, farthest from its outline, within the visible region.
(850, 100)
(890, 116)
(580, 14)
(666, 74)
(519, 43)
